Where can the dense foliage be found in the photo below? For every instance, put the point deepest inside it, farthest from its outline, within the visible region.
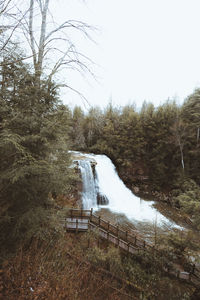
(154, 149)
(33, 152)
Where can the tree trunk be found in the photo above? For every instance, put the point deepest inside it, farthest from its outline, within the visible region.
(38, 71)
(182, 160)
(38, 58)
(198, 131)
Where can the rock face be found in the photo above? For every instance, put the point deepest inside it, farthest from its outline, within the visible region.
(93, 165)
(102, 199)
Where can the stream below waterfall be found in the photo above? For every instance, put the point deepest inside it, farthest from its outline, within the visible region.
(102, 188)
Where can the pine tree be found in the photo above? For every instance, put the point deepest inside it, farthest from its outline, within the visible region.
(34, 159)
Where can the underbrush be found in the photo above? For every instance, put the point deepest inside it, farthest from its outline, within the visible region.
(79, 266)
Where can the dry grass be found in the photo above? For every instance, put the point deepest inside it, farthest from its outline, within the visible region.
(47, 271)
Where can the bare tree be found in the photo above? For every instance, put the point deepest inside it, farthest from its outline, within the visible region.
(43, 43)
(49, 41)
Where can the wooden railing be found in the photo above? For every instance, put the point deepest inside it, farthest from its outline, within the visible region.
(83, 213)
(76, 215)
(119, 233)
(82, 220)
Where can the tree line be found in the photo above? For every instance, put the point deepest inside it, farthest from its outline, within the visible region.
(155, 148)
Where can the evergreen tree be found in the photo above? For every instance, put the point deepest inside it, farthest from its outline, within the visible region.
(191, 118)
(33, 152)
(93, 127)
(77, 131)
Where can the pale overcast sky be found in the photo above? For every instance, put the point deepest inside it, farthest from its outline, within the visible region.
(146, 49)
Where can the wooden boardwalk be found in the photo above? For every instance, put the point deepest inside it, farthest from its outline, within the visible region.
(79, 220)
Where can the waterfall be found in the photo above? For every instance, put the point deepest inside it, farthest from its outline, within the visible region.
(103, 187)
(89, 194)
(121, 199)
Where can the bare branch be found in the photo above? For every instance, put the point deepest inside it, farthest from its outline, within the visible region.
(13, 30)
(40, 4)
(78, 25)
(77, 92)
(42, 42)
(4, 6)
(15, 61)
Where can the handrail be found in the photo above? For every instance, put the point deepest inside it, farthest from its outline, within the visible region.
(123, 237)
(132, 238)
(79, 209)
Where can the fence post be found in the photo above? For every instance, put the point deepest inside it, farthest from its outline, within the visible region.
(118, 231)
(135, 240)
(126, 236)
(99, 221)
(76, 225)
(128, 246)
(91, 211)
(193, 268)
(108, 225)
(190, 276)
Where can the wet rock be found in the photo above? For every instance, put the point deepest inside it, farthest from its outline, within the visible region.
(136, 189)
(102, 199)
(93, 165)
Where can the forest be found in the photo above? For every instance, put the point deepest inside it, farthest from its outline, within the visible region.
(155, 151)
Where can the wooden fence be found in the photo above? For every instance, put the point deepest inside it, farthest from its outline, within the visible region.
(82, 220)
(119, 233)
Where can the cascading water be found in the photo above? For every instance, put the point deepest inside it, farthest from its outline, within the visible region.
(89, 195)
(107, 185)
(121, 199)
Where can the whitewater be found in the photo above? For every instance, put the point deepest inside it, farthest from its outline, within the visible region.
(121, 200)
